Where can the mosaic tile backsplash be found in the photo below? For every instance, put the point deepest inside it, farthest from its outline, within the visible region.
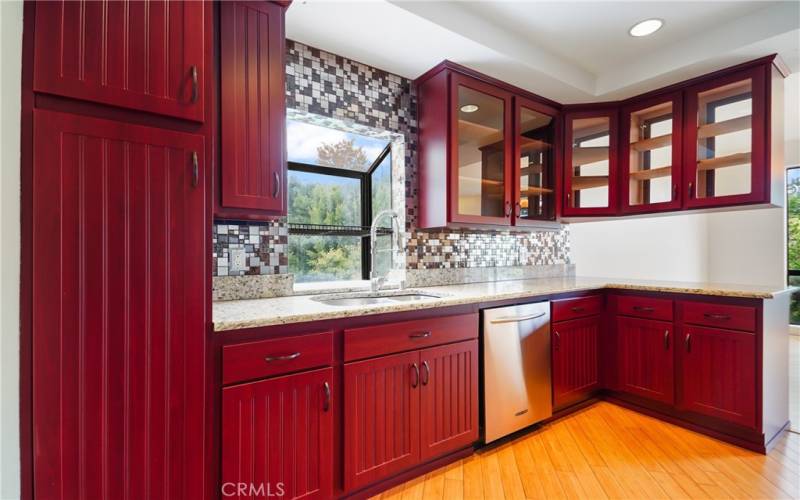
(325, 84)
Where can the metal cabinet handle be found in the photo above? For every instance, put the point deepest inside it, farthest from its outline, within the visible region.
(516, 319)
(195, 86)
(666, 340)
(276, 185)
(195, 170)
(691, 185)
(415, 383)
(326, 403)
(722, 317)
(578, 309)
(508, 209)
(688, 342)
(646, 309)
(557, 343)
(420, 335)
(517, 209)
(674, 191)
(427, 373)
(286, 357)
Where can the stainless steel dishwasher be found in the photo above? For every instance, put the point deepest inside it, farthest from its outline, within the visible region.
(516, 368)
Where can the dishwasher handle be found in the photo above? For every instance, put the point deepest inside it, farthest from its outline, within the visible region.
(516, 319)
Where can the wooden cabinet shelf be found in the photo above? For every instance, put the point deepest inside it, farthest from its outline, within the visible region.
(584, 156)
(589, 182)
(653, 143)
(656, 173)
(724, 161)
(535, 191)
(724, 127)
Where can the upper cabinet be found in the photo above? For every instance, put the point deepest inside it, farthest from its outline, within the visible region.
(590, 162)
(487, 151)
(146, 56)
(252, 171)
(650, 154)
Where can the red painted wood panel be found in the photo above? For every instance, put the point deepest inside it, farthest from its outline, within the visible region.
(646, 358)
(434, 152)
(137, 55)
(407, 335)
(577, 307)
(277, 437)
(645, 307)
(449, 407)
(119, 352)
(381, 418)
(719, 374)
(719, 315)
(253, 165)
(266, 358)
(575, 347)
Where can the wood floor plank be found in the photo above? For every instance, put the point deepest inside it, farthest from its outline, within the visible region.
(606, 451)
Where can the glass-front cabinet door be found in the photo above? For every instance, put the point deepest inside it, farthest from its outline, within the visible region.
(480, 150)
(590, 163)
(725, 152)
(650, 158)
(536, 126)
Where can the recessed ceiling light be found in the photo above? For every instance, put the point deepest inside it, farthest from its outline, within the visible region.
(469, 108)
(646, 27)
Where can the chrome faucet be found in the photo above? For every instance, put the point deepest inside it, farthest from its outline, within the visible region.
(375, 281)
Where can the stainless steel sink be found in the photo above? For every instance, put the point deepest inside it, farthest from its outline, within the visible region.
(365, 299)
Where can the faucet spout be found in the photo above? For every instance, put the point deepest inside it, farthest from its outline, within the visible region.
(375, 279)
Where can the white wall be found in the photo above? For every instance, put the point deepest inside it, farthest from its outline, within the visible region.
(11, 64)
(746, 246)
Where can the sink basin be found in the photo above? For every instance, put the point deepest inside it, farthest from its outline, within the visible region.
(365, 299)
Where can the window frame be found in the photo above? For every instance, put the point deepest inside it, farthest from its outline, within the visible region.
(365, 183)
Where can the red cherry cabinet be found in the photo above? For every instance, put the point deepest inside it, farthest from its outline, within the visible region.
(277, 437)
(590, 162)
(252, 173)
(139, 55)
(575, 359)
(645, 351)
(718, 374)
(119, 244)
(650, 161)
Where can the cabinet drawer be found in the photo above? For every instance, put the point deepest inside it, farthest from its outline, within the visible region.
(644, 307)
(267, 358)
(378, 340)
(578, 307)
(720, 315)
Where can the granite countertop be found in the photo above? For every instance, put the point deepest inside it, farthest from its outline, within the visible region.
(237, 314)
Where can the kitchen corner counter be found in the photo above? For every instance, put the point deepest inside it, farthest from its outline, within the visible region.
(239, 314)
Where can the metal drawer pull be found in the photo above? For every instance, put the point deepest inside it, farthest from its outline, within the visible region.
(516, 319)
(195, 86)
(666, 339)
(717, 316)
(427, 373)
(578, 309)
(195, 170)
(688, 342)
(287, 357)
(420, 335)
(646, 309)
(326, 403)
(415, 383)
(557, 343)
(276, 185)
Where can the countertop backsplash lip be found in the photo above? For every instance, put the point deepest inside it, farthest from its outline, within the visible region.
(233, 315)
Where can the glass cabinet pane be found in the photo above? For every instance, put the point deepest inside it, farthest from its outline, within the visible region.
(481, 148)
(590, 162)
(650, 162)
(724, 140)
(535, 171)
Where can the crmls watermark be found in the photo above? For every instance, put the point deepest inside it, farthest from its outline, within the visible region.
(255, 490)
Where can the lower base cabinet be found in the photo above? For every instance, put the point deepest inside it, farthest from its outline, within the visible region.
(645, 363)
(404, 409)
(575, 360)
(277, 437)
(718, 374)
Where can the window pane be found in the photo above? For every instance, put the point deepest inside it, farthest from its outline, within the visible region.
(315, 145)
(793, 235)
(324, 199)
(383, 256)
(324, 258)
(382, 187)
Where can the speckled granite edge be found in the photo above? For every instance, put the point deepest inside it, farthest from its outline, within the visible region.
(747, 294)
(464, 275)
(251, 287)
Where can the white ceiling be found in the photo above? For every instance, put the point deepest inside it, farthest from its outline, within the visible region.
(566, 51)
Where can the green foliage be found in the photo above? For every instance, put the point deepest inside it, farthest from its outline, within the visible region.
(344, 154)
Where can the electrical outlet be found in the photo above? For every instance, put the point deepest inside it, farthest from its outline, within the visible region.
(238, 261)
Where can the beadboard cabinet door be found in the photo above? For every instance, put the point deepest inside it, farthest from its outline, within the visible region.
(277, 434)
(718, 374)
(449, 404)
(253, 109)
(646, 358)
(119, 354)
(139, 55)
(575, 359)
(381, 418)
